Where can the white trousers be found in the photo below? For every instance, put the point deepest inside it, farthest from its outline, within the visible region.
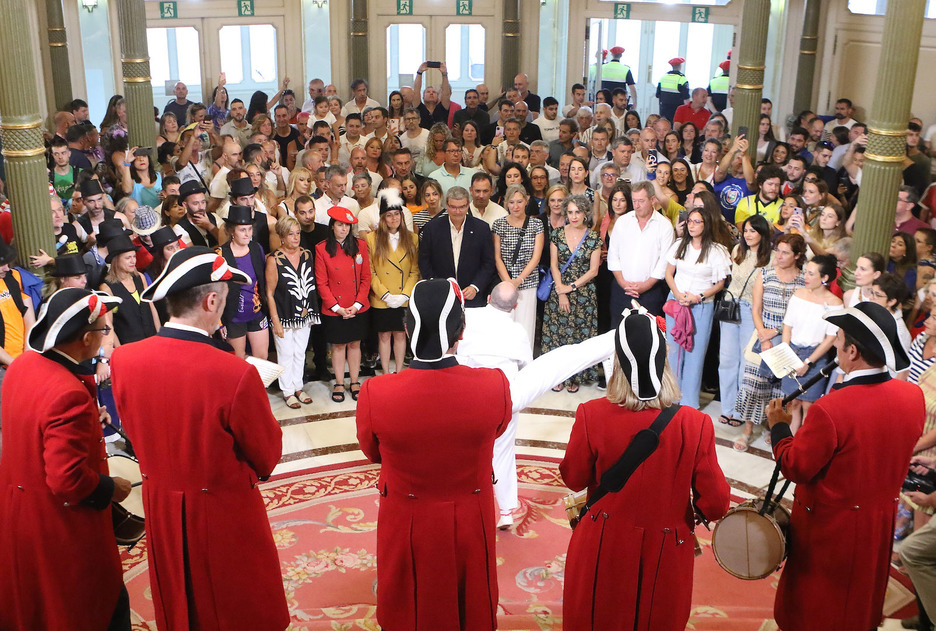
(525, 313)
(505, 467)
(290, 354)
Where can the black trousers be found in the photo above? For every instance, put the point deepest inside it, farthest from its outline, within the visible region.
(652, 300)
(120, 621)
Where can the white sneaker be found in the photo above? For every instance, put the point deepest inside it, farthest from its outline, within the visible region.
(505, 521)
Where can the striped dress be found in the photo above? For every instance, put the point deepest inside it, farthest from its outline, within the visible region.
(917, 363)
(758, 386)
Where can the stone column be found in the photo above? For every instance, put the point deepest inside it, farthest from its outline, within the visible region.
(805, 71)
(510, 48)
(359, 32)
(134, 57)
(58, 52)
(749, 85)
(23, 149)
(887, 130)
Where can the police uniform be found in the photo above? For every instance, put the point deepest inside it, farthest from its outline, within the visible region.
(673, 89)
(719, 85)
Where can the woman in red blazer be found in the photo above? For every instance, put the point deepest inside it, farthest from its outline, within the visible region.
(630, 559)
(342, 271)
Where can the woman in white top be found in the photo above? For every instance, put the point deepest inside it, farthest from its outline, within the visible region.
(810, 336)
(705, 170)
(696, 270)
(868, 268)
(471, 149)
(889, 290)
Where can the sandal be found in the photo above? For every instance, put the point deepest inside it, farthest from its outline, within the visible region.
(559, 388)
(731, 422)
(572, 389)
(303, 397)
(293, 402)
(337, 396)
(355, 393)
(741, 442)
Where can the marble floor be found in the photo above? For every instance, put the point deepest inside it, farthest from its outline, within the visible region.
(323, 433)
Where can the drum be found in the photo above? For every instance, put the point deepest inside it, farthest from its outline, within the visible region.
(128, 516)
(750, 545)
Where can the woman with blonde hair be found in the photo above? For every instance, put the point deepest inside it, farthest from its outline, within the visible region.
(434, 156)
(652, 544)
(394, 272)
(265, 197)
(299, 184)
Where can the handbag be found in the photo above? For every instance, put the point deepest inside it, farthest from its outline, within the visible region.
(546, 282)
(727, 307)
(616, 476)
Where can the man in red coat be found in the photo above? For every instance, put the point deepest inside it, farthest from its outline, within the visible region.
(201, 425)
(59, 566)
(848, 462)
(436, 569)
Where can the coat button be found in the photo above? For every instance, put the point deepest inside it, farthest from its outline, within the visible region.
(476, 491)
(101, 439)
(65, 504)
(19, 487)
(204, 490)
(411, 496)
(856, 508)
(605, 515)
(808, 509)
(680, 542)
(145, 476)
(666, 530)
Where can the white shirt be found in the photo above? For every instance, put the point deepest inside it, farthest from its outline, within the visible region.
(492, 212)
(457, 234)
(805, 321)
(640, 254)
(832, 124)
(692, 276)
(351, 107)
(323, 203)
(345, 145)
(549, 129)
(219, 188)
(493, 340)
(619, 123)
(417, 145)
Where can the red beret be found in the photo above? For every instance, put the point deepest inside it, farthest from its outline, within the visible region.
(617, 50)
(725, 65)
(342, 214)
(675, 61)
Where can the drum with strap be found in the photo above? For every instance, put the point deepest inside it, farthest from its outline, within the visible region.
(750, 542)
(128, 516)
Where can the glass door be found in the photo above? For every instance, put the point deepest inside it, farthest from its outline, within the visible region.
(175, 55)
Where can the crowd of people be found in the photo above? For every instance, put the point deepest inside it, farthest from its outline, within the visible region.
(330, 211)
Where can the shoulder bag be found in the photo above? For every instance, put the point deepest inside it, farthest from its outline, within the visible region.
(727, 307)
(546, 282)
(616, 476)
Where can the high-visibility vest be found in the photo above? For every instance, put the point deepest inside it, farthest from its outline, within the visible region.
(615, 71)
(672, 81)
(720, 84)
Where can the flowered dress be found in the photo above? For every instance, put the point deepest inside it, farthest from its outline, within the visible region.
(581, 322)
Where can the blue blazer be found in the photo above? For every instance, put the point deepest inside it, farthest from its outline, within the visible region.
(475, 261)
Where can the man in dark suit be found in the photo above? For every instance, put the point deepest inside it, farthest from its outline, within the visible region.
(459, 236)
(490, 131)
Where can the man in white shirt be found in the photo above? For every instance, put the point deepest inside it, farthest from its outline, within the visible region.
(333, 188)
(482, 187)
(359, 100)
(637, 255)
(843, 113)
(548, 120)
(352, 138)
(316, 87)
(219, 188)
(492, 339)
(415, 137)
(622, 151)
(578, 100)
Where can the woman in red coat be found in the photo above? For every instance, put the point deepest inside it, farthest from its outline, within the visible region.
(630, 559)
(342, 271)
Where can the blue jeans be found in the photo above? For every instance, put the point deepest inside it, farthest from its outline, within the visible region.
(687, 365)
(734, 337)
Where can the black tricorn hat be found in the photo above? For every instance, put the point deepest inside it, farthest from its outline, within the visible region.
(875, 329)
(242, 186)
(239, 215)
(109, 229)
(65, 313)
(437, 308)
(641, 351)
(191, 267)
(69, 265)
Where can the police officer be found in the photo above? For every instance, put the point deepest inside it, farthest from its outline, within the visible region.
(616, 74)
(719, 85)
(673, 89)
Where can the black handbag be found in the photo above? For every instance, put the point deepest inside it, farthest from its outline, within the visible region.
(727, 307)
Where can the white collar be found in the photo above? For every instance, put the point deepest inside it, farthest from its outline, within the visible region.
(864, 372)
(185, 327)
(65, 355)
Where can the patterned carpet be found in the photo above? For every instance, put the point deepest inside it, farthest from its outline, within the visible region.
(324, 524)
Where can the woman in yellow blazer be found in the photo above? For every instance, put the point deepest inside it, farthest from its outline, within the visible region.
(394, 273)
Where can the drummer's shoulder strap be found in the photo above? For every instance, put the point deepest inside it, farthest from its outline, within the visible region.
(639, 449)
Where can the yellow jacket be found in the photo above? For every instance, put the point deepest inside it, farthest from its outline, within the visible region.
(396, 275)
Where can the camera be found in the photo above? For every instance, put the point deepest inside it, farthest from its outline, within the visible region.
(923, 483)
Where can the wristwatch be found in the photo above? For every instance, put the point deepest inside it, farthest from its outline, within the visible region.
(810, 363)
(573, 286)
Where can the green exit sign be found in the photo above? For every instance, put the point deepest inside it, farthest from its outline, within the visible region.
(404, 7)
(463, 7)
(245, 8)
(700, 15)
(168, 10)
(621, 11)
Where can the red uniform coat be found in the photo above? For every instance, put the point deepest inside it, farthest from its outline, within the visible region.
(201, 425)
(848, 462)
(630, 560)
(59, 565)
(342, 280)
(436, 569)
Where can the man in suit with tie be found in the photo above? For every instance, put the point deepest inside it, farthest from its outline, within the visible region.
(457, 245)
